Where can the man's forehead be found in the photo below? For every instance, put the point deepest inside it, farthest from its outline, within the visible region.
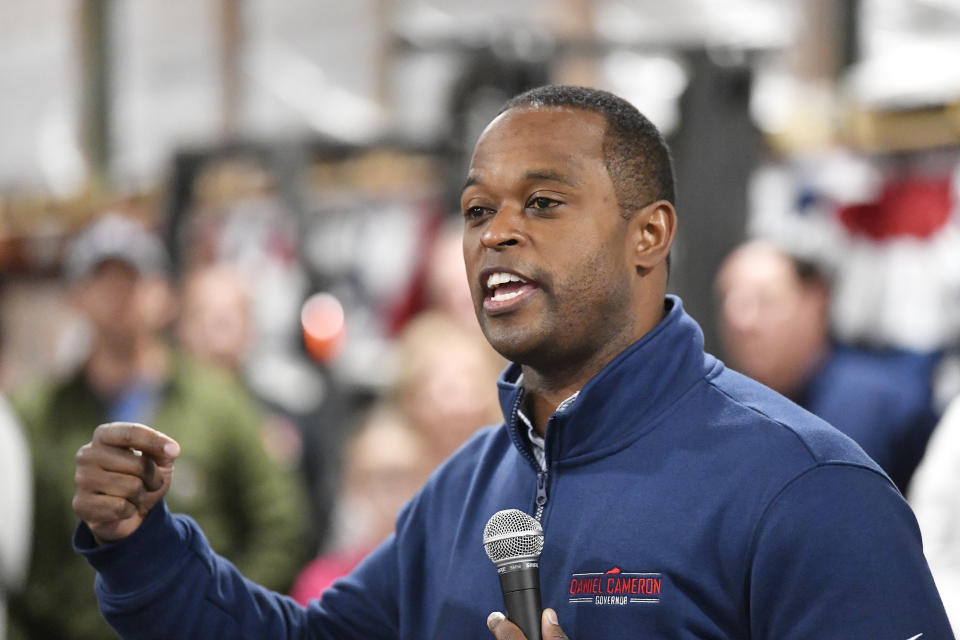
(544, 174)
(543, 143)
(533, 117)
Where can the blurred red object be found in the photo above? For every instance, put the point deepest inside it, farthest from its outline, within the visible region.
(324, 326)
(915, 207)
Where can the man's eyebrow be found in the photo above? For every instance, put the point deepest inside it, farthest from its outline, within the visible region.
(471, 180)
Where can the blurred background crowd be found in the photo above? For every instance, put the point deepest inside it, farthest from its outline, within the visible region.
(237, 221)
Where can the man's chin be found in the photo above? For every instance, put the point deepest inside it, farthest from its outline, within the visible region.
(515, 345)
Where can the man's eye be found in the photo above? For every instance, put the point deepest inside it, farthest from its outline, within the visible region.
(541, 202)
(473, 213)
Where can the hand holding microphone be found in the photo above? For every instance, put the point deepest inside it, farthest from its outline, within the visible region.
(513, 541)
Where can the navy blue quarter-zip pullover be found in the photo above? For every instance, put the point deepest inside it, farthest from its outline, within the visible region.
(680, 500)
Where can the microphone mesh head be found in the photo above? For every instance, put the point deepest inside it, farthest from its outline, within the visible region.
(511, 535)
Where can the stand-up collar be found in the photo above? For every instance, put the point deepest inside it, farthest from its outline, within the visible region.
(627, 398)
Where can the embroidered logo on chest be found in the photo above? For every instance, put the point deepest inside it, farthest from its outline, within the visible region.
(615, 587)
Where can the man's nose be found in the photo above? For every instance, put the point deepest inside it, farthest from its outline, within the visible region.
(504, 230)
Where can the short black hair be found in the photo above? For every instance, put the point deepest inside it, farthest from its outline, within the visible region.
(635, 154)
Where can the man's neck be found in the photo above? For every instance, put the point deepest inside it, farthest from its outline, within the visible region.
(543, 398)
(551, 382)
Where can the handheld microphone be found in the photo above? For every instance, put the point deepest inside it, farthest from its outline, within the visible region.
(513, 541)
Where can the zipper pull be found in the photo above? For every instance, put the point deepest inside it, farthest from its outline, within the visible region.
(541, 489)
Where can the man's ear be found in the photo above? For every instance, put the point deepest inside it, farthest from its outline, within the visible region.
(651, 231)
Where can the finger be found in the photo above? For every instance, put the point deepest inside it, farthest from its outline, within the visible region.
(502, 628)
(102, 457)
(550, 626)
(95, 508)
(162, 448)
(110, 458)
(120, 485)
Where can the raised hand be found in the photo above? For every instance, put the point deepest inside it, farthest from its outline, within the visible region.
(121, 474)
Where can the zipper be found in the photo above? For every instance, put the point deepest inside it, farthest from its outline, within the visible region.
(541, 494)
(521, 444)
(543, 475)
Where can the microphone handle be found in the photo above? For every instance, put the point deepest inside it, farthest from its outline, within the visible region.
(520, 584)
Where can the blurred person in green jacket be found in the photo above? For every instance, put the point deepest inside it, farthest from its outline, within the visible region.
(250, 507)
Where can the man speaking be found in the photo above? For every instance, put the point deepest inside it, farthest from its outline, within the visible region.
(677, 498)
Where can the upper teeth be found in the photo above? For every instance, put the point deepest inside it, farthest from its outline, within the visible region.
(496, 279)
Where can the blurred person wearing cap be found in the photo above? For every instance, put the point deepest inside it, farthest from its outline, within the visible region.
(775, 327)
(117, 273)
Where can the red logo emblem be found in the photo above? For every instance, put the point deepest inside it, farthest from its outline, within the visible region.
(616, 587)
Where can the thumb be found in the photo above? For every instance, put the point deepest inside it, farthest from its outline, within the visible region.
(502, 628)
(156, 473)
(550, 626)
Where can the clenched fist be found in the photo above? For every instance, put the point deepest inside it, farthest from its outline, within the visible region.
(121, 474)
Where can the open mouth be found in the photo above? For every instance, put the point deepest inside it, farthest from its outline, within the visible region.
(505, 288)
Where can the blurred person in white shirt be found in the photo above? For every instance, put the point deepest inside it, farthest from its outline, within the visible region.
(16, 505)
(935, 497)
